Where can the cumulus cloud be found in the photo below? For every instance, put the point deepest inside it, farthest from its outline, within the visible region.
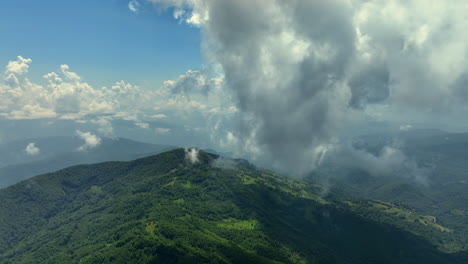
(19, 66)
(303, 71)
(90, 140)
(31, 149)
(31, 111)
(65, 97)
(193, 82)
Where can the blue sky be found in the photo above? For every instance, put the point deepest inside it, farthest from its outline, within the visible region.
(101, 40)
(111, 71)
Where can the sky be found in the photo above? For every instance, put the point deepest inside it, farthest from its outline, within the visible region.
(102, 40)
(280, 82)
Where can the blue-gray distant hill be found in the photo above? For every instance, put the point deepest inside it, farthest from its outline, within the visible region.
(60, 152)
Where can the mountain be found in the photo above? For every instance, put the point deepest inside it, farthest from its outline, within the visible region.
(443, 191)
(166, 209)
(60, 152)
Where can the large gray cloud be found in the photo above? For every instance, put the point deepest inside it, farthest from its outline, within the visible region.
(302, 71)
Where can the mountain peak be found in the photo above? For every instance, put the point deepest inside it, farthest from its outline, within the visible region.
(175, 159)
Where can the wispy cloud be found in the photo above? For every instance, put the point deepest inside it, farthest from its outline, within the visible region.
(134, 6)
(406, 127)
(162, 130)
(192, 155)
(104, 126)
(142, 125)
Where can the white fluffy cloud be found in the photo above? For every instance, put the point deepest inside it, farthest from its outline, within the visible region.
(19, 66)
(90, 140)
(64, 95)
(32, 150)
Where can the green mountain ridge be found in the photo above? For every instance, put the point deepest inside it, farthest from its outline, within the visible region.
(62, 152)
(164, 209)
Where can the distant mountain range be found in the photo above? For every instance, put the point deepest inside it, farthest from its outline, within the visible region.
(60, 152)
(166, 209)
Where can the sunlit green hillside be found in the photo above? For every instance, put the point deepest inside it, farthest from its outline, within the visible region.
(164, 209)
